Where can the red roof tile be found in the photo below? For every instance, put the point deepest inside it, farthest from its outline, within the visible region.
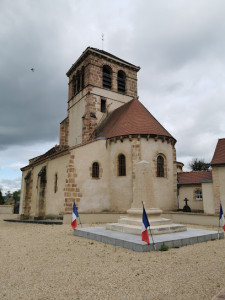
(219, 154)
(194, 177)
(131, 118)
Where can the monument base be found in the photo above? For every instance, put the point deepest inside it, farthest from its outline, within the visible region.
(156, 212)
(133, 225)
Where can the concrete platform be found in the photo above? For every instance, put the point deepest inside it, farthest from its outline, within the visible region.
(133, 242)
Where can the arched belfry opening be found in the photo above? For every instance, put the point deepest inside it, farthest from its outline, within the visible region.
(121, 82)
(107, 77)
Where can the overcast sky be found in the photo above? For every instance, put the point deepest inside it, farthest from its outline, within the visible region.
(179, 45)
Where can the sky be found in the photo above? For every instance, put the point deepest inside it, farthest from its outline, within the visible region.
(179, 45)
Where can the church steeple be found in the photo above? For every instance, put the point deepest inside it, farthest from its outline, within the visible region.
(99, 82)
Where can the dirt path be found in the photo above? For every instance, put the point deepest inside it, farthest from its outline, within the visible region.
(48, 262)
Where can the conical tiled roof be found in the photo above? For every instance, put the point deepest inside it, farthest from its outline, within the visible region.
(131, 118)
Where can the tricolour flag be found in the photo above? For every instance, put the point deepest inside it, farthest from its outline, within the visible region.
(145, 225)
(222, 223)
(74, 216)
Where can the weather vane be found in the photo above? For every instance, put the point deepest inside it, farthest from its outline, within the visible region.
(102, 40)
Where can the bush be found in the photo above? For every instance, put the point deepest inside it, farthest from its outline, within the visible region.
(164, 247)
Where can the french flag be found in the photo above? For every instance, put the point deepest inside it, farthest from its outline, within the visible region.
(145, 225)
(74, 216)
(222, 223)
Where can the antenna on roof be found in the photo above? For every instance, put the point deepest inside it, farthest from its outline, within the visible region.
(102, 40)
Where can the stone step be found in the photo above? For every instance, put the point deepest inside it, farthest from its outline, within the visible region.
(133, 229)
(138, 221)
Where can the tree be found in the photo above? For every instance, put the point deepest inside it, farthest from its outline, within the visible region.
(199, 165)
(16, 196)
(8, 198)
(1, 198)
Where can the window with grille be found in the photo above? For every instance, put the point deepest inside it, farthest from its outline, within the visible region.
(121, 165)
(160, 166)
(56, 183)
(107, 77)
(198, 194)
(95, 170)
(121, 82)
(103, 105)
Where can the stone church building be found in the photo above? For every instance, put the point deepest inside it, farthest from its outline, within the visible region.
(106, 132)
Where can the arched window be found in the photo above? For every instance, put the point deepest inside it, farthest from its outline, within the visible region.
(198, 194)
(74, 85)
(160, 166)
(82, 77)
(107, 77)
(78, 81)
(95, 170)
(121, 165)
(121, 81)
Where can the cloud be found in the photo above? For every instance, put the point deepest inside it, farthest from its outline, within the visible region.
(9, 185)
(178, 44)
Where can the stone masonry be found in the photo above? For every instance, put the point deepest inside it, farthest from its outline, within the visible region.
(71, 191)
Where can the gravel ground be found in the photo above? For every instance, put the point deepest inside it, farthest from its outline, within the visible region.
(48, 262)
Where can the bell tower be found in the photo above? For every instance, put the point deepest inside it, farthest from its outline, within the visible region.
(99, 82)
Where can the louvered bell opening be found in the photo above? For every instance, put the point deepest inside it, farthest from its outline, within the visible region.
(121, 82)
(107, 81)
(121, 85)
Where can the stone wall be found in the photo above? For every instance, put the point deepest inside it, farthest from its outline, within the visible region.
(208, 201)
(64, 132)
(93, 74)
(6, 209)
(218, 175)
(188, 192)
(72, 192)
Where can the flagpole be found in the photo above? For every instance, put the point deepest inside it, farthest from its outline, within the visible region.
(152, 238)
(150, 232)
(80, 221)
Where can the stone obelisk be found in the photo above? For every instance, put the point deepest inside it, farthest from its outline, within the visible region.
(143, 191)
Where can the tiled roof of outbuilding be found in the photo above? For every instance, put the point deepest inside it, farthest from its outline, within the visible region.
(194, 177)
(131, 118)
(219, 154)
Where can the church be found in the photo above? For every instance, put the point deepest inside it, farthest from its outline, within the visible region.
(106, 132)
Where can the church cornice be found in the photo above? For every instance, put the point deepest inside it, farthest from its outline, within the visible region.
(103, 54)
(59, 151)
(96, 94)
(162, 138)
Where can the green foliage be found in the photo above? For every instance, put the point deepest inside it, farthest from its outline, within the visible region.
(16, 196)
(164, 247)
(1, 198)
(198, 165)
